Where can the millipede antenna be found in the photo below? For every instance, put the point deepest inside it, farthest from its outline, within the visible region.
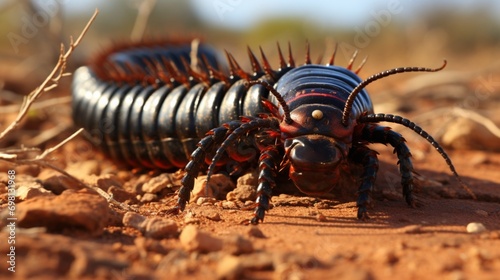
(352, 96)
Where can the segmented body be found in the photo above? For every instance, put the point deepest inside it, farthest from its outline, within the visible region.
(157, 124)
(146, 105)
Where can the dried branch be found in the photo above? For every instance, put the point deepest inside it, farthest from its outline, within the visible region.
(144, 11)
(48, 151)
(51, 81)
(40, 105)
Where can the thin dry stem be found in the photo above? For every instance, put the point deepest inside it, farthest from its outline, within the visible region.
(51, 81)
(144, 11)
(40, 105)
(50, 150)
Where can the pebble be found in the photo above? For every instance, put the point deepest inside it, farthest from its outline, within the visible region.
(475, 228)
(194, 239)
(464, 133)
(229, 205)
(217, 188)
(250, 179)
(132, 219)
(481, 213)
(69, 211)
(158, 183)
(320, 217)
(149, 197)
(205, 201)
(30, 190)
(190, 218)
(122, 195)
(411, 229)
(155, 227)
(229, 268)
(242, 193)
(105, 181)
(237, 245)
(159, 228)
(211, 215)
(255, 232)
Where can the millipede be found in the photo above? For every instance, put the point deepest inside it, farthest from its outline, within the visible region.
(174, 104)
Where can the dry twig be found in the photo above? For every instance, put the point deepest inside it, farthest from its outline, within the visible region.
(144, 11)
(51, 81)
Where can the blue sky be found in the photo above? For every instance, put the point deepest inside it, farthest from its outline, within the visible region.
(240, 14)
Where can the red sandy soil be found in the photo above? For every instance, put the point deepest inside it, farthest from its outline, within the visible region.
(321, 240)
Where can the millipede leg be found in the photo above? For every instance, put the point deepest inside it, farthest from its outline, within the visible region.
(207, 144)
(267, 166)
(380, 134)
(368, 158)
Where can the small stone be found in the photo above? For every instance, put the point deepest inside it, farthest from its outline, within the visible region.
(217, 188)
(464, 133)
(322, 205)
(242, 193)
(229, 205)
(411, 229)
(211, 215)
(193, 239)
(190, 218)
(56, 182)
(158, 183)
(475, 228)
(30, 190)
(132, 219)
(107, 181)
(262, 260)
(191, 221)
(117, 247)
(159, 228)
(481, 213)
(122, 195)
(249, 179)
(229, 268)
(205, 201)
(155, 227)
(249, 203)
(149, 197)
(290, 200)
(69, 211)
(237, 245)
(479, 159)
(320, 217)
(255, 232)
(299, 259)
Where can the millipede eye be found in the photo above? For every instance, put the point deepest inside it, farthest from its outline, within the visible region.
(317, 114)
